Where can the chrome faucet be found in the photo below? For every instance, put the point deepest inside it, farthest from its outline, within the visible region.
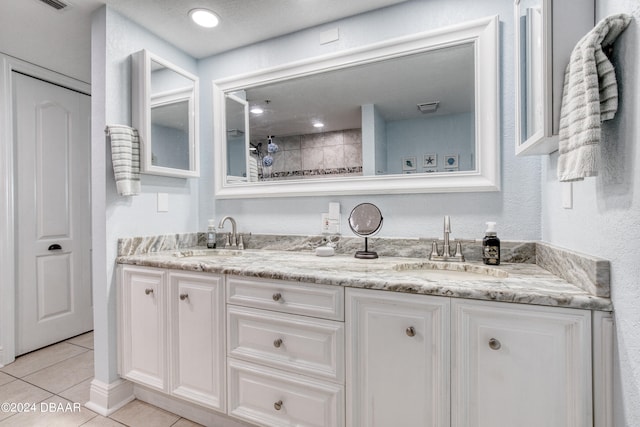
(233, 240)
(446, 249)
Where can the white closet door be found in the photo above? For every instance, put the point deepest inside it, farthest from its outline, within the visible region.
(52, 137)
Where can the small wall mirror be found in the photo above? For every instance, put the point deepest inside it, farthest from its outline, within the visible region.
(531, 94)
(165, 113)
(413, 114)
(365, 220)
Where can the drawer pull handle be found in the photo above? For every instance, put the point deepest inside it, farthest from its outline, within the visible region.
(184, 297)
(277, 296)
(278, 405)
(277, 343)
(148, 291)
(494, 344)
(411, 331)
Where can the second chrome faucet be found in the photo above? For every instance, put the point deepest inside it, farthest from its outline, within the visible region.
(232, 240)
(446, 254)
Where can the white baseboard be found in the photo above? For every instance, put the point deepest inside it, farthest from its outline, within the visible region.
(105, 399)
(190, 411)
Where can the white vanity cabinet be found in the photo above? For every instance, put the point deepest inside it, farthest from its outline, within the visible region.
(143, 326)
(546, 32)
(397, 359)
(197, 335)
(520, 365)
(172, 330)
(285, 347)
(285, 353)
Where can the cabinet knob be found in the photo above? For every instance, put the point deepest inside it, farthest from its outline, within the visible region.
(494, 344)
(411, 331)
(148, 291)
(277, 343)
(184, 297)
(278, 405)
(277, 296)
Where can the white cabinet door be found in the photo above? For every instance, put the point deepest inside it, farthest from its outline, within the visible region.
(197, 339)
(397, 359)
(143, 326)
(520, 365)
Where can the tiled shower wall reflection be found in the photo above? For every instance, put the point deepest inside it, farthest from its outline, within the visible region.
(336, 153)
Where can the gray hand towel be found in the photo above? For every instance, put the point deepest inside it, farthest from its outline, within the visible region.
(590, 96)
(125, 154)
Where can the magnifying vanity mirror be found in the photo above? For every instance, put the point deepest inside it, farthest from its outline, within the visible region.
(413, 114)
(365, 220)
(165, 113)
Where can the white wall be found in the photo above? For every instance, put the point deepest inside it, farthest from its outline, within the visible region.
(605, 219)
(440, 135)
(516, 208)
(115, 38)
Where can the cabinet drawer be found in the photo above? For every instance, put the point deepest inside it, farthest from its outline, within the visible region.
(275, 398)
(299, 344)
(287, 297)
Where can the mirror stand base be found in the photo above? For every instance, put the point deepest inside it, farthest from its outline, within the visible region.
(366, 255)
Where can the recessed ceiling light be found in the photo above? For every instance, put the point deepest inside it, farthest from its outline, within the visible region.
(318, 125)
(204, 17)
(257, 110)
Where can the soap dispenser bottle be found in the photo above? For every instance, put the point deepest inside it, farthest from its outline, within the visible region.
(491, 245)
(211, 234)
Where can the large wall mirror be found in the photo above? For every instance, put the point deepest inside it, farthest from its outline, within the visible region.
(165, 112)
(414, 114)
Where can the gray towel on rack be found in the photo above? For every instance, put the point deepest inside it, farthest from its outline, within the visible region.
(125, 154)
(590, 96)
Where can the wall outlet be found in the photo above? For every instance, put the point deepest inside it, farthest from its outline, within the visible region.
(329, 225)
(324, 227)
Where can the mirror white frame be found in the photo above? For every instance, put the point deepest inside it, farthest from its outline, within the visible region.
(537, 63)
(557, 28)
(245, 108)
(483, 33)
(143, 100)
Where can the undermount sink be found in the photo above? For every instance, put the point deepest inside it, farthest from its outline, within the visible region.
(205, 253)
(450, 271)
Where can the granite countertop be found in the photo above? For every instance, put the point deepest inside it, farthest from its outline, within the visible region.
(525, 283)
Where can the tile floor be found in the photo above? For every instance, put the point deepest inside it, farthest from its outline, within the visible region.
(55, 382)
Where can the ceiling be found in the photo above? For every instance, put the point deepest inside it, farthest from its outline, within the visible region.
(242, 22)
(61, 40)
